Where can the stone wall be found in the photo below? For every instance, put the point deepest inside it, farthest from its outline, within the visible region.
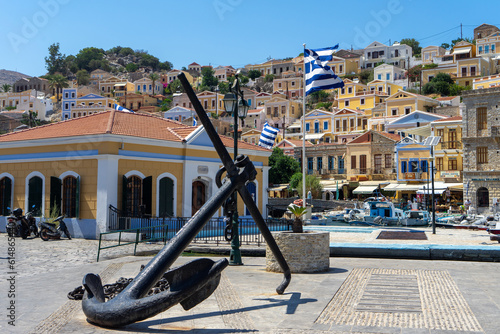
(306, 252)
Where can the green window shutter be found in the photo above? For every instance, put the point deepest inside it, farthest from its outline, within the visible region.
(35, 192)
(124, 195)
(147, 194)
(166, 200)
(6, 196)
(77, 197)
(55, 194)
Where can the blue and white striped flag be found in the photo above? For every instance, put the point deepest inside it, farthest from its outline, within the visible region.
(268, 136)
(319, 76)
(120, 108)
(195, 123)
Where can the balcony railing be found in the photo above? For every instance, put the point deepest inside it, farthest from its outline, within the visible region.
(448, 145)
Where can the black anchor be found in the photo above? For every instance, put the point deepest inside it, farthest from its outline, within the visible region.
(195, 281)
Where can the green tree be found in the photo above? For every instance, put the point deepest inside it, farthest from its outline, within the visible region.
(455, 41)
(269, 78)
(126, 52)
(89, 58)
(440, 84)
(366, 76)
(174, 87)
(414, 73)
(294, 180)
(150, 61)
(165, 66)
(253, 74)
(445, 46)
(154, 77)
(224, 87)
(415, 45)
(71, 64)
(57, 82)
(55, 62)
(131, 67)
(82, 77)
(6, 88)
(313, 185)
(166, 105)
(319, 96)
(282, 167)
(208, 81)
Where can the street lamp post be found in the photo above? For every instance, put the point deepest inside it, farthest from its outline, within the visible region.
(234, 103)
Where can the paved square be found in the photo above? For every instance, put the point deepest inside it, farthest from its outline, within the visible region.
(400, 298)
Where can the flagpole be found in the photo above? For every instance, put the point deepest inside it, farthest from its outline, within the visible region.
(304, 130)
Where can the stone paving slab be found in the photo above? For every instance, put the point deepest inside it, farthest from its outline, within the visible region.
(246, 300)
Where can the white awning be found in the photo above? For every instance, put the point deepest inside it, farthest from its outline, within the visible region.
(402, 187)
(364, 190)
(461, 50)
(429, 191)
(424, 131)
(279, 188)
(391, 187)
(315, 136)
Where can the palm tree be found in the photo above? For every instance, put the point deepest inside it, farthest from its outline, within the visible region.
(298, 212)
(154, 77)
(6, 88)
(58, 82)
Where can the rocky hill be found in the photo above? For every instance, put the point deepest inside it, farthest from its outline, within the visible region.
(9, 77)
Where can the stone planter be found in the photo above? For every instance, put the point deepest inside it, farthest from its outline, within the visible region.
(306, 252)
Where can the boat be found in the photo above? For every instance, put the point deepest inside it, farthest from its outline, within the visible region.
(417, 218)
(384, 213)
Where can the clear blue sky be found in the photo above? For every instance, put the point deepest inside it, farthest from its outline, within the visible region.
(225, 32)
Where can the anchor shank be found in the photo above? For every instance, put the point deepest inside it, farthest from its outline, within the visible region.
(154, 270)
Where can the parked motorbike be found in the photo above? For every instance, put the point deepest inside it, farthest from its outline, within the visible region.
(53, 231)
(21, 226)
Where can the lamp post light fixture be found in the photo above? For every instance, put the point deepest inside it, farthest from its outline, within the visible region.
(235, 104)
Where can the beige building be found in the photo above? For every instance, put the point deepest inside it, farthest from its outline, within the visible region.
(402, 103)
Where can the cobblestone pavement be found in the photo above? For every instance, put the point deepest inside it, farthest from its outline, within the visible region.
(356, 295)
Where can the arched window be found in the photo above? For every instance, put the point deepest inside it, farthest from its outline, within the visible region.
(35, 194)
(198, 196)
(137, 195)
(5, 195)
(69, 196)
(483, 198)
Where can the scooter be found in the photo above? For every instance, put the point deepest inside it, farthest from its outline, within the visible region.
(52, 231)
(21, 226)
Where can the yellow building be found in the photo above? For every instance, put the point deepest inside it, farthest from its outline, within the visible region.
(290, 84)
(342, 66)
(430, 52)
(383, 86)
(402, 103)
(318, 125)
(137, 163)
(489, 45)
(279, 107)
(449, 151)
(348, 124)
(107, 86)
(358, 96)
(486, 82)
(211, 102)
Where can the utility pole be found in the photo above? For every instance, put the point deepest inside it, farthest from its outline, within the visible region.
(461, 31)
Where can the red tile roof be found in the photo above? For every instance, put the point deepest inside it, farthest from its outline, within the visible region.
(364, 138)
(117, 123)
(454, 118)
(446, 98)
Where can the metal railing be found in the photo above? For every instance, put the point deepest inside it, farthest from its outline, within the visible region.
(212, 233)
(447, 145)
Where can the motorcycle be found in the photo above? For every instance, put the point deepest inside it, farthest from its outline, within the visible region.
(21, 226)
(52, 231)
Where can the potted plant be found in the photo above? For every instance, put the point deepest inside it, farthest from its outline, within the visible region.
(298, 212)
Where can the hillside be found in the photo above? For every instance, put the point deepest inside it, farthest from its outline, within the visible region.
(9, 77)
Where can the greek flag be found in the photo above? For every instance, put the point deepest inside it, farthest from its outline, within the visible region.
(120, 108)
(195, 123)
(268, 136)
(319, 76)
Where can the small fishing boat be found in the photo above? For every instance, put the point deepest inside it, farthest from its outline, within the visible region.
(417, 218)
(384, 213)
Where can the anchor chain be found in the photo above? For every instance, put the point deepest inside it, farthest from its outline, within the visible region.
(112, 290)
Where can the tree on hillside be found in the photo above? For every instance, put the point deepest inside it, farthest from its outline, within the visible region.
(6, 88)
(131, 67)
(282, 167)
(414, 73)
(445, 46)
(55, 62)
(70, 64)
(154, 77)
(254, 74)
(440, 84)
(174, 87)
(208, 81)
(165, 66)
(90, 58)
(415, 45)
(455, 41)
(57, 82)
(224, 87)
(149, 61)
(82, 77)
